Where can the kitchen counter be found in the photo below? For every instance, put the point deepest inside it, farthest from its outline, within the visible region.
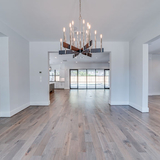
(51, 87)
(57, 85)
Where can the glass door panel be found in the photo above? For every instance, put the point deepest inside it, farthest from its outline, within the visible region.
(74, 78)
(91, 79)
(82, 79)
(107, 75)
(100, 78)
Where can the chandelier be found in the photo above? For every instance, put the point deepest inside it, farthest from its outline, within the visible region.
(80, 41)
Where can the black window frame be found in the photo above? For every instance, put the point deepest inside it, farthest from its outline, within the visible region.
(87, 79)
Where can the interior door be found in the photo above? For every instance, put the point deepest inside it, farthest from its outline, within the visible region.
(74, 79)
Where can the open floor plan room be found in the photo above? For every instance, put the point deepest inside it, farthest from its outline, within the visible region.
(80, 80)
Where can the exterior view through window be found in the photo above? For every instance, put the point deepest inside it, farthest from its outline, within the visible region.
(54, 75)
(89, 78)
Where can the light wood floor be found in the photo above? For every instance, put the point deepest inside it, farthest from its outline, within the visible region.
(80, 125)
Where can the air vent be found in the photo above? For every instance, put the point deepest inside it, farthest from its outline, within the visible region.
(64, 60)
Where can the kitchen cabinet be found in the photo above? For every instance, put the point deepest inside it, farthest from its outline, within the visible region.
(60, 85)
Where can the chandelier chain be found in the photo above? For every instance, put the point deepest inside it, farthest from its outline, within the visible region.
(80, 16)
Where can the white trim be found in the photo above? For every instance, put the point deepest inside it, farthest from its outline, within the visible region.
(154, 94)
(24, 106)
(144, 107)
(18, 109)
(118, 103)
(40, 103)
(139, 108)
(145, 110)
(5, 114)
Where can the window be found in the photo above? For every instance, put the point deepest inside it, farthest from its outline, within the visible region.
(57, 75)
(54, 75)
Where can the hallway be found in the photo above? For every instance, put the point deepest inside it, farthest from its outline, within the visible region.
(80, 125)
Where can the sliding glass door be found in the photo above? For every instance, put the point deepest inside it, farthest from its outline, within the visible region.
(89, 79)
(82, 79)
(74, 79)
(99, 78)
(107, 75)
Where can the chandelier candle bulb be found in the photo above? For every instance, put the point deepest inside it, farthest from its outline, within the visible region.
(74, 41)
(77, 39)
(87, 24)
(64, 34)
(60, 44)
(101, 41)
(95, 37)
(70, 33)
(86, 36)
(89, 38)
(83, 32)
(80, 39)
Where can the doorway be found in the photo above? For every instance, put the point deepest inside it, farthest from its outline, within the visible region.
(89, 78)
(154, 74)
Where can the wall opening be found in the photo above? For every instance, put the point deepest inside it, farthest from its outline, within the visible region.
(61, 65)
(154, 73)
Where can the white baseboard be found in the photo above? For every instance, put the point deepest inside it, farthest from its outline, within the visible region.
(154, 94)
(145, 110)
(18, 109)
(118, 103)
(139, 108)
(40, 103)
(5, 114)
(14, 111)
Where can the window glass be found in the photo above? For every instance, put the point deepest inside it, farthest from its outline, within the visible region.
(54, 75)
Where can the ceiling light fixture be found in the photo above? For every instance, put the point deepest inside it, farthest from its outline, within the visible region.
(80, 40)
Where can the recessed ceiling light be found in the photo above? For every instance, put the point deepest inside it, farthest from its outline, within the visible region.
(61, 62)
(55, 57)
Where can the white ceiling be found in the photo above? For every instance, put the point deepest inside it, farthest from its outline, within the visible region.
(55, 58)
(154, 47)
(43, 20)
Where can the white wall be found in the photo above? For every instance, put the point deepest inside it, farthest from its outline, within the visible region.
(119, 71)
(18, 56)
(138, 83)
(64, 69)
(4, 77)
(154, 74)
